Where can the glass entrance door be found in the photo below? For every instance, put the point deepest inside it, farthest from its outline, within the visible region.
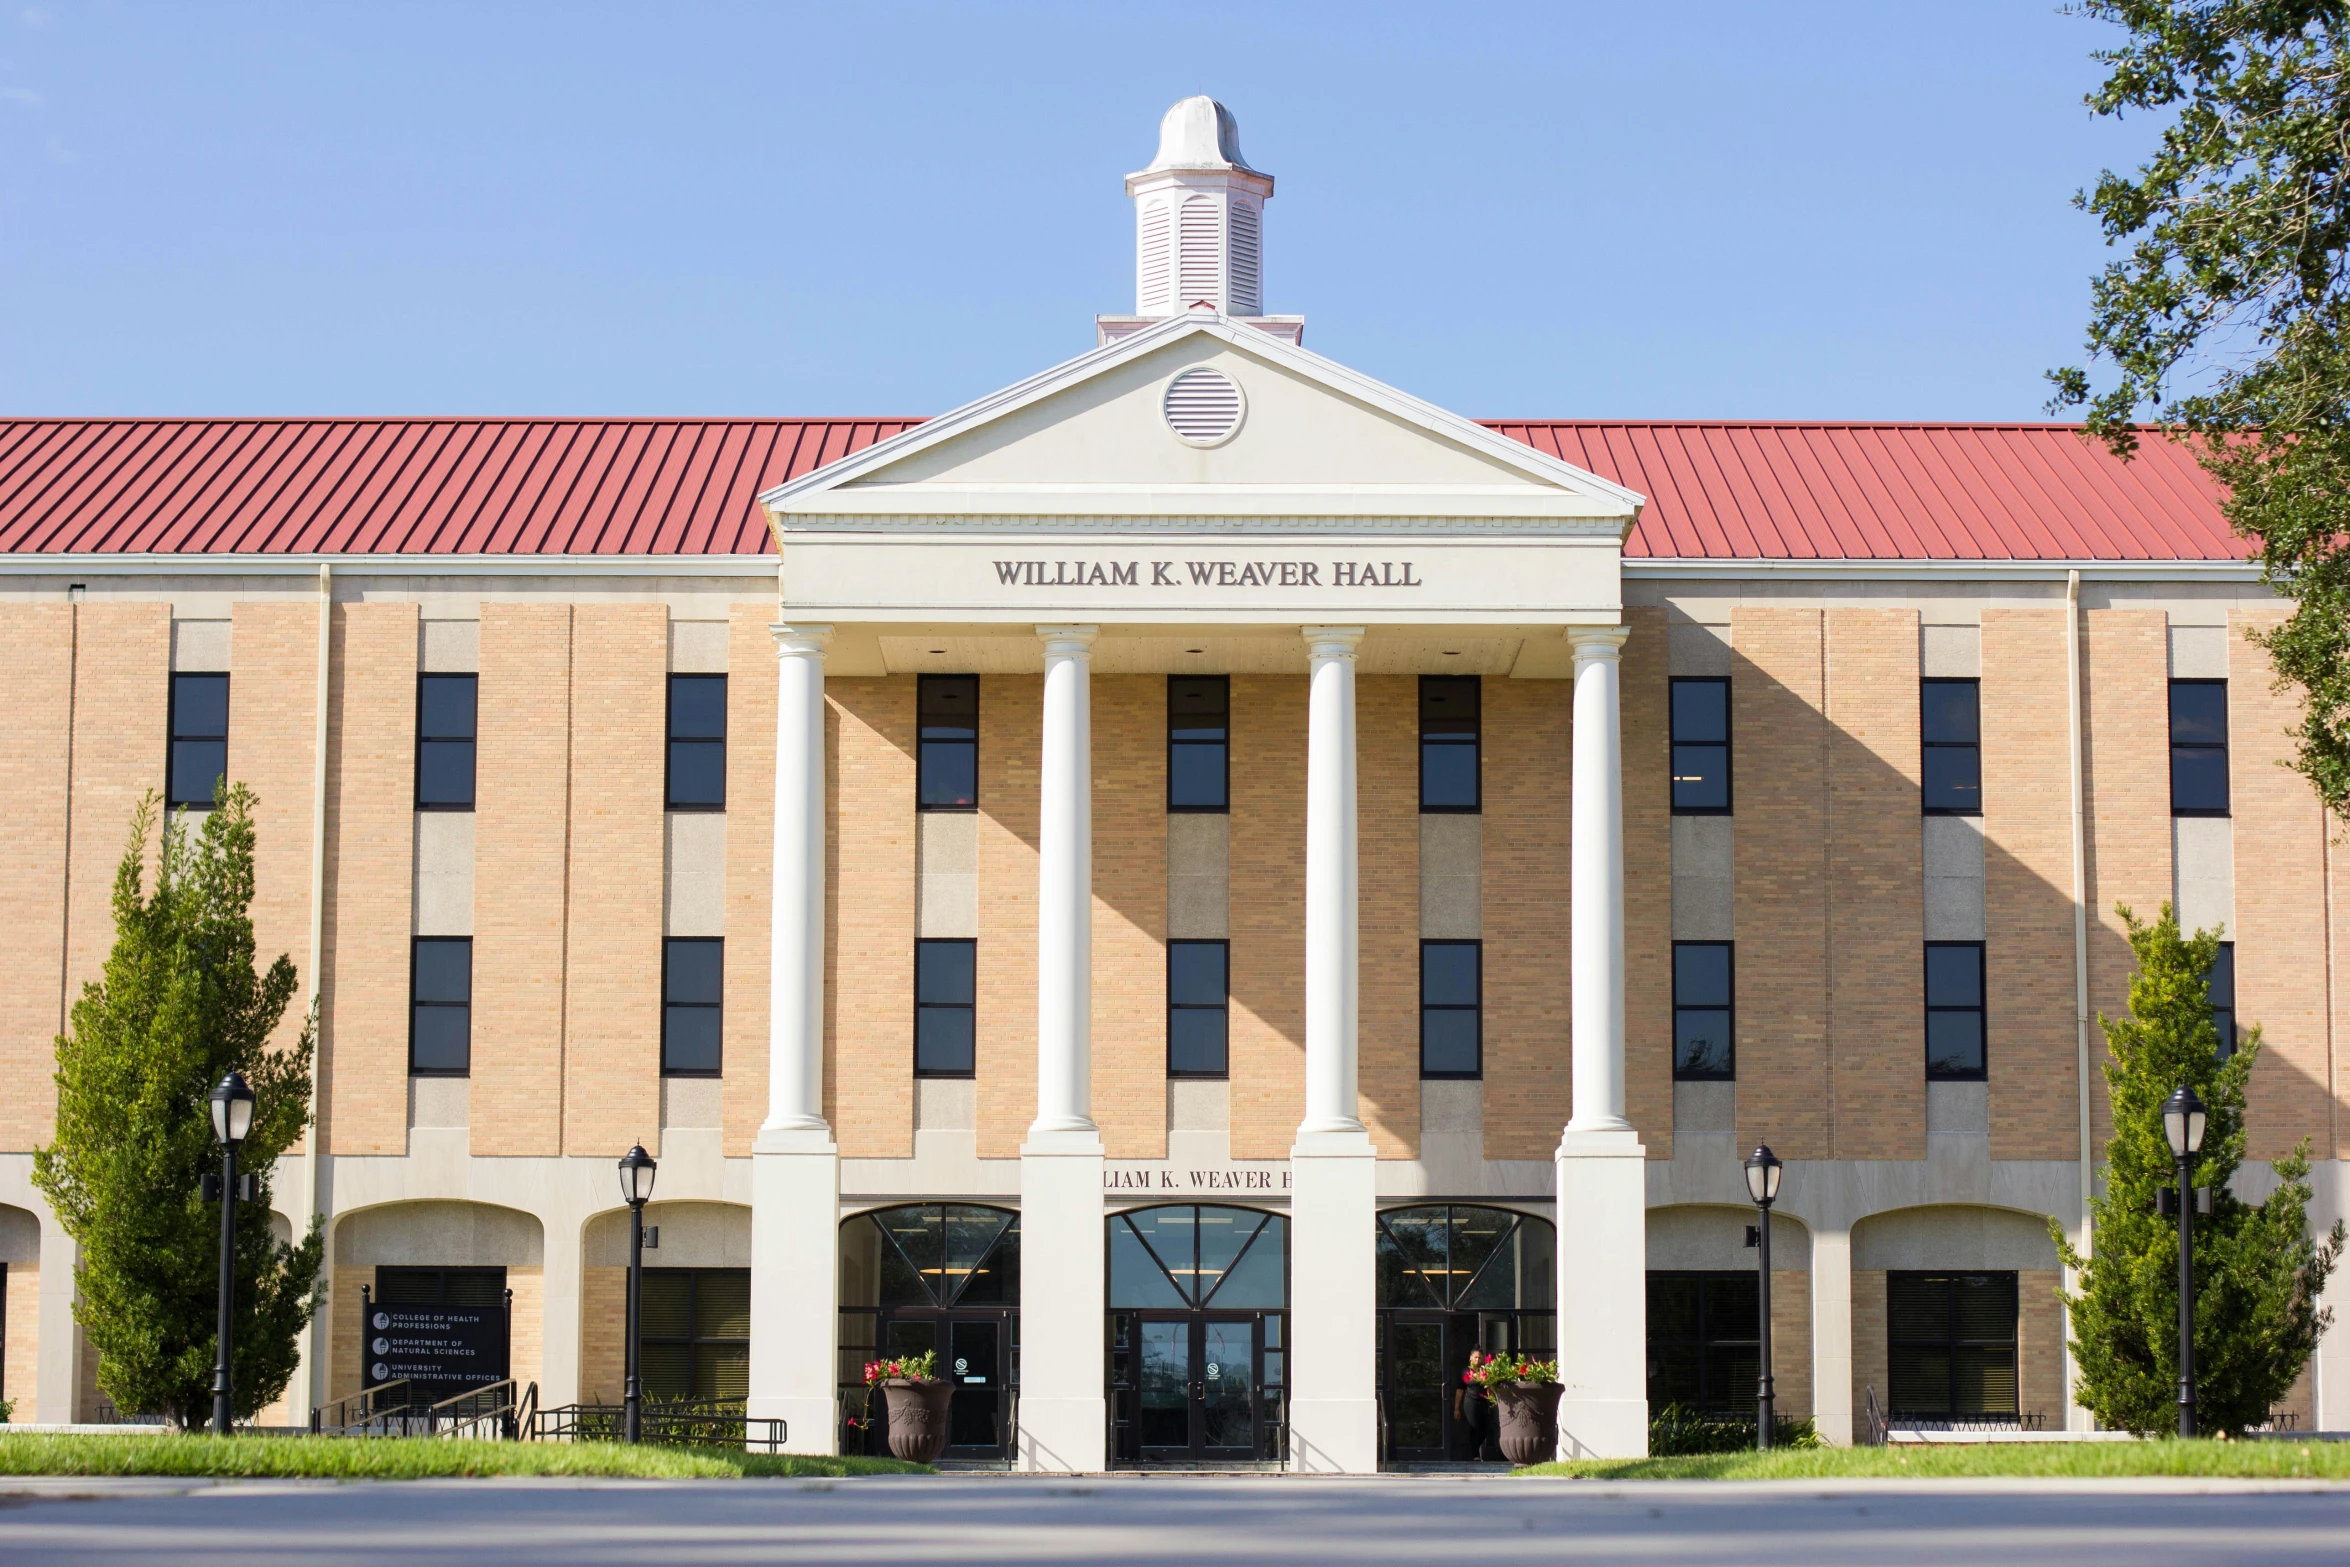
(1198, 1393)
(1452, 1279)
(941, 1277)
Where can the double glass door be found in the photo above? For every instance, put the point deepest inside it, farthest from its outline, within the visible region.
(1432, 1416)
(1197, 1392)
(975, 1350)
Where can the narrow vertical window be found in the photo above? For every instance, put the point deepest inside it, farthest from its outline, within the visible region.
(693, 970)
(1197, 1008)
(948, 764)
(445, 715)
(1701, 746)
(2220, 986)
(440, 1016)
(1452, 986)
(945, 986)
(1950, 730)
(2199, 748)
(199, 740)
(1954, 1011)
(1702, 1041)
(697, 742)
(1199, 749)
(1449, 731)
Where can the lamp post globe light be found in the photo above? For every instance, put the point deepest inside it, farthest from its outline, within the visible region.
(2183, 1116)
(637, 1168)
(232, 1121)
(1762, 1186)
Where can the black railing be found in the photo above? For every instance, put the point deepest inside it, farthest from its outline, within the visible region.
(494, 1411)
(387, 1409)
(692, 1422)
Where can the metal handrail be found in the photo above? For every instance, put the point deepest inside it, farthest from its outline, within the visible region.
(1874, 1424)
(688, 1422)
(368, 1412)
(487, 1411)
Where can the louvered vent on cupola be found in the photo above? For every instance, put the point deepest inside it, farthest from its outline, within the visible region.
(1247, 286)
(1154, 283)
(1199, 274)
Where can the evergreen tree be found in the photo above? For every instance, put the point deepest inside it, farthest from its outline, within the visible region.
(2258, 1271)
(181, 1005)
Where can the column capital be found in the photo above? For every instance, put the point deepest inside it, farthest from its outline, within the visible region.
(1597, 641)
(800, 639)
(1067, 641)
(1331, 641)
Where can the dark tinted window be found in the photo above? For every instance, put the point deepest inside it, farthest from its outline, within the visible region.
(1449, 728)
(446, 707)
(1702, 1041)
(1451, 1001)
(440, 1028)
(2221, 988)
(948, 766)
(1197, 1008)
(1704, 1340)
(692, 980)
(1199, 717)
(1701, 747)
(2199, 747)
(694, 1333)
(199, 739)
(1951, 733)
(1950, 1339)
(1954, 1010)
(697, 742)
(945, 985)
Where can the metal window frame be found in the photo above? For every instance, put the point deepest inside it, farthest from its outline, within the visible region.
(670, 944)
(671, 740)
(1224, 1007)
(2175, 746)
(416, 945)
(1225, 809)
(1975, 745)
(978, 694)
(171, 733)
(1673, 739)
(693, 1341)
(473, 794)
(1738, 1398)
(1950, 1343)
(1475, 1009)
(971, 1006)
(1673, 981)
(1476, 748)
(2233, 1037)
(1981, 1009)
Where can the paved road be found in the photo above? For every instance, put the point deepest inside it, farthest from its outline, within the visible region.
(1166, 1521)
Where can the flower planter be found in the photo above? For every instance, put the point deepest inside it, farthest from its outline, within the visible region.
(1529, 1420)
(917, 1418)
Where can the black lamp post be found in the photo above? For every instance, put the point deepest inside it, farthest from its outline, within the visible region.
(2182, 1126)
(636, 1189)
(1762, 1184)
(232, 1119)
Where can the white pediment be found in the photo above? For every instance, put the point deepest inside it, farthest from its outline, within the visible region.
(1089, 444)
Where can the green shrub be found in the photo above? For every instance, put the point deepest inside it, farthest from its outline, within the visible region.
(1678, 1431)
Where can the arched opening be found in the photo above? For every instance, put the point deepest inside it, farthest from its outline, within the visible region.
(1454, 1278)
(1955, 1318)
(694, 1316)
(943, 1277)
(438, 1295)
(1198, 1332)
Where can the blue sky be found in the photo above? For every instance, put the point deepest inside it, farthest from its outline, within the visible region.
(1782, 210)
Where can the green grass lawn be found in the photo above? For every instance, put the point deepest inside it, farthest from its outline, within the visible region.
(400, 1458)
(2024, 1460)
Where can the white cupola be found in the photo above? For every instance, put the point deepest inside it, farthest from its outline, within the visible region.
(1199, 215)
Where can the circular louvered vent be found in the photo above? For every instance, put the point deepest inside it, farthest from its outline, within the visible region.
(1203, 406)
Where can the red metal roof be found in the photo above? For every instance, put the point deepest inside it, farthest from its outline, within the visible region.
(1728, 491)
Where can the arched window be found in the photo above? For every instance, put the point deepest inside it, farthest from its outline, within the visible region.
(931, 1254)
(1197, 1255)
(1456, 1258)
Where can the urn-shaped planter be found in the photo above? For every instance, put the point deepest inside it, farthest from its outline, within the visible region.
(917, 1418)
(1529, 1420)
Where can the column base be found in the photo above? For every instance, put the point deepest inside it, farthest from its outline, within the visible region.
(1603, 1294)
(1064, 1417)
(1333, 1306)
(795, 1287)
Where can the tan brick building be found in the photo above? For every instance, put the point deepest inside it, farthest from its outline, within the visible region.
(1199, 886)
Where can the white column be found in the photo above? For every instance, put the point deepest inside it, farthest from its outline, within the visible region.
(1333, 1410)
(795, 1165)
(1831, 1334)
(1602, 1168)
(1062, 1411)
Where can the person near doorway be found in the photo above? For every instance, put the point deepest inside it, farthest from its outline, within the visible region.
(1468, 1407)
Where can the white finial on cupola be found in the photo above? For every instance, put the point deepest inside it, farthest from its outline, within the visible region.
(1199, 215)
